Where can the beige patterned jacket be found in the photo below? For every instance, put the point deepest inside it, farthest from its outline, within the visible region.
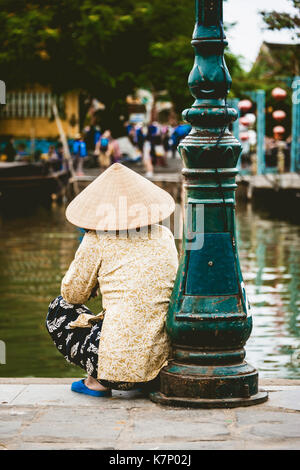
(136, 276)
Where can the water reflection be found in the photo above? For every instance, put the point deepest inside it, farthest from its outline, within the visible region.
(270, 258)
(36, 250)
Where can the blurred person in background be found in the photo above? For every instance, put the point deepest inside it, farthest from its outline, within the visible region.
(10, 150)
(53, 158)
(22, 154)
(103, 149)
(140, 136)
(154, 138)
(147, 159)
(131, 133)
(79, 153)
(165, 140)
(114, 149)
(52, 154)
(61, 157)
(179, 133)
(37, 156)
(92, 135)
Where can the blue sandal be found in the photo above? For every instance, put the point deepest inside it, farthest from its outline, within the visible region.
(80, 387)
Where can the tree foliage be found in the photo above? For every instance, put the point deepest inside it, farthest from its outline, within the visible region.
(104, 47)
(277, 21)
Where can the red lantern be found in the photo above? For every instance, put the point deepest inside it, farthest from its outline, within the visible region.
(279, 115)
(279, 93)
(279, 130)
(245, 105)
(244, 136)
(244, 121)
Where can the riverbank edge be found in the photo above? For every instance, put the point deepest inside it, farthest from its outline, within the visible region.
(68, 380)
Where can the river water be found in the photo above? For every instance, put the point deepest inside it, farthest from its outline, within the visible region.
(36, 250)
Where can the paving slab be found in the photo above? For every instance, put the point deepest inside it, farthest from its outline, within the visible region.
(12, 421)
(80, 425)
(288, 399)
(222, 445)
(58, 395)
(177, 427)
(59, 446)
(61, 395)
(8, 392)
(278, 388)
(268, 424)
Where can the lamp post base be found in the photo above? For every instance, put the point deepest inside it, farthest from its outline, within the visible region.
(160, 398)
(209, 386)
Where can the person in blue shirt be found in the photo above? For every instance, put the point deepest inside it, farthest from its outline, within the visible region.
(140, 137)
(179, 133)
(22, 154)
(97, 136)
(154, 138)
(79, 153)
(103, 149)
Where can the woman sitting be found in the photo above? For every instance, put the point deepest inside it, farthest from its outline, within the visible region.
(134, 261)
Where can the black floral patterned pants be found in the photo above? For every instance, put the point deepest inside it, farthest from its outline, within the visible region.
(80, 346)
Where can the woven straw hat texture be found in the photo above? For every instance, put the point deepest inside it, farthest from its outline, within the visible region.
(120, 199)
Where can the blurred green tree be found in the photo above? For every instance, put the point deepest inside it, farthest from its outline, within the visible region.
(106, 48)
(277, 21)
(276, 65)
(276, 60)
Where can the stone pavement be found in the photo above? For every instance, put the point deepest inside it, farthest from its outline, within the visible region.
(45, 414)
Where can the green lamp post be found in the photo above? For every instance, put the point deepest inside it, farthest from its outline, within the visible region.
(209, 320)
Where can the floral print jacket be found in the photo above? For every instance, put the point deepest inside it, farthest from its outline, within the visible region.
(136, 276)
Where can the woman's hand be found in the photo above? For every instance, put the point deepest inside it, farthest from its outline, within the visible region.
(95, 291)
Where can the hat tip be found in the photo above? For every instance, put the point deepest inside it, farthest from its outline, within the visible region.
(116, 166)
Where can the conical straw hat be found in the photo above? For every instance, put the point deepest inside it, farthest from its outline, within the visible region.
(120, 199)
